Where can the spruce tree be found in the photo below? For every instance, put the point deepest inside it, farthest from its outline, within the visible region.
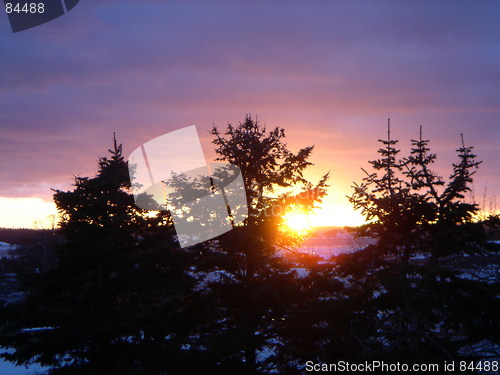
(253, 285)
(116, 302)
(417, 303)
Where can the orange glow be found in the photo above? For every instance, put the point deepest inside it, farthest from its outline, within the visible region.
(27, 213)
(298, 221)
(39, 213)
(337, 215)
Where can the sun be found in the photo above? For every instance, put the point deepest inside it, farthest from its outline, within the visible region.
(297, 221)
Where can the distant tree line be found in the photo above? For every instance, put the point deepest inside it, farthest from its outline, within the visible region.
(20, 236)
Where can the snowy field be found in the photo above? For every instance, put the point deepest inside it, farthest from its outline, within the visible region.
(5, 250)
(7, 368)
(327, 246)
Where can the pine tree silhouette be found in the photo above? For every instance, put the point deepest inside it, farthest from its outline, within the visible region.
(116, 301)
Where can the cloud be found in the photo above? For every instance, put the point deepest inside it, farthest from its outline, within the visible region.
(316, 68)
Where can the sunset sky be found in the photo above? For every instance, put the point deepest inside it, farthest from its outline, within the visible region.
(330, 73)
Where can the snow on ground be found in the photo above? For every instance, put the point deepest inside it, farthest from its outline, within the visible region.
(8, 368)
(5, 249)
(325, 247)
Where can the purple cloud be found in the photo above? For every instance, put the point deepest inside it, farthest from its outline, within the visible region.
(330, 73)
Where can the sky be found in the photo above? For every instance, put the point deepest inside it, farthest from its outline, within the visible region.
(329, 73)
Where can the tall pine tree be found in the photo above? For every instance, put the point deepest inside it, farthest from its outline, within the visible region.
(253, 285)
(116, 302)
(418, 303)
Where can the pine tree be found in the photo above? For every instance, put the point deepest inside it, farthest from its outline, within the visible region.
(448, 214)
(116, 301)
(416, 302)
(255, 286)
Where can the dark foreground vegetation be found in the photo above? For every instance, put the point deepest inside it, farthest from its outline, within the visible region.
(121, 297)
